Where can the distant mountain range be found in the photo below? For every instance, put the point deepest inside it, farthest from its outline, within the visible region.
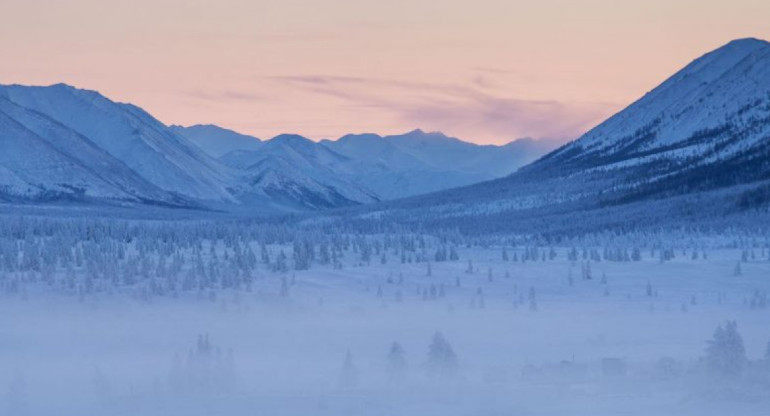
(61, 143)
(383, 167)
(697, 146)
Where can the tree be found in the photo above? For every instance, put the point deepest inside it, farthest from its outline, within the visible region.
(453, 254)
(532, 299)
(349, 376)
(725, 353)
(284, 287)
(442, 361)
(396, 361)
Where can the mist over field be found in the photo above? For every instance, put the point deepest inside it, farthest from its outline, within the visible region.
(388, 324)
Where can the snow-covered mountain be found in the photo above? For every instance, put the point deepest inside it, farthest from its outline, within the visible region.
(63, 143)
(217, 141)
(418, 162)
(698, 144)
(291, 166)
(706, 127)
(441, 151)
(390, 172)
(43, 160)
(67, 143)
(126, 133)
(369, 167)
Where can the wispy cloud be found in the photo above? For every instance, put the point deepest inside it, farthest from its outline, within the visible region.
(219, 96)
(459, 108)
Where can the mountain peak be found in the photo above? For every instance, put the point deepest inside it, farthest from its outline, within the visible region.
(217, 141)
(61, 86)
(713, 64)
(747, 42)
(422, 133)
(736, 50)
(360, 138)
(213, 128)
(291, 140)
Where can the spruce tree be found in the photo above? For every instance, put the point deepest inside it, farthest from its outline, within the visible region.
(725, 353)
(396, 361)
(442, 361)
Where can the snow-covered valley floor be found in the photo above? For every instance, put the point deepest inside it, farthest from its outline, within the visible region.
(517, 338)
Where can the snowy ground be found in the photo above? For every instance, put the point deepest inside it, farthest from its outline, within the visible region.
(630, 345)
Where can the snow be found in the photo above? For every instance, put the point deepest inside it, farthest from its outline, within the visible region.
(217, 141)
(129, 135)
(142, 160)
(692, 147)
(544, 331)
(706, 94)
(367, 167)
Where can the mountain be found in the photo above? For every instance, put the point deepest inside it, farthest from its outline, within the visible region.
(368, 167)
(291, 166)
(379, 165)
(63, 143)
(698, 145)
(416, 163)
(706, 127)
(441, 151)
(128, 134)
(217, 141)
(43, 160)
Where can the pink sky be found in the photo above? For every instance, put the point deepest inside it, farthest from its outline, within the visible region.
(485, 70)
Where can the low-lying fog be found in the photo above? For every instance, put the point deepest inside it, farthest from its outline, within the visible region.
(491, 337)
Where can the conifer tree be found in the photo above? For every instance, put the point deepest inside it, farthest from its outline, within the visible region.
(442, 361)
(725, 353)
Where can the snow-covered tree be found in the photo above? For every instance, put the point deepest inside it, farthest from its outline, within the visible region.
(725, 353)
(442, 361)
(396, 361)
(349, 375)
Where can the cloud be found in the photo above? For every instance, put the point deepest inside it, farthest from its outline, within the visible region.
(219, 96)
(473, 110)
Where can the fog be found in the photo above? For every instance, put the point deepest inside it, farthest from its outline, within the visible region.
(476, 336)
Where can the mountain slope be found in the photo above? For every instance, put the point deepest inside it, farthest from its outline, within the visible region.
(93, 149)
(707, 126)
(417, 162)
(130, 135)
(699, 144)
(378, 164)
(43, 160)
(217, 141)
(62, 143)
(368, 167)
(291, 166)
(439, 150)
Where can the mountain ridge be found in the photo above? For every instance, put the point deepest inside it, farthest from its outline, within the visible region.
(699, 144)
(95, 150)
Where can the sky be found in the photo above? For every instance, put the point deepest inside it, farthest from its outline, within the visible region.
(487, 71)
